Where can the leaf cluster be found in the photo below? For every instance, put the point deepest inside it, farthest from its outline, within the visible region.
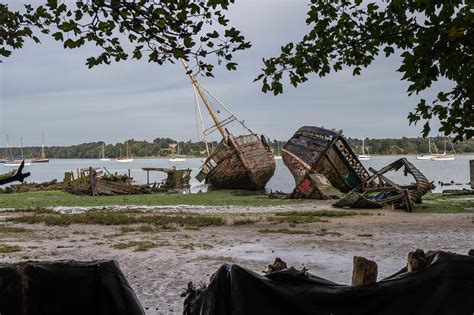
(160, 30)
(435, 39)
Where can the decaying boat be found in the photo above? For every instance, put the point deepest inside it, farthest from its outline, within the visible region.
(238, 162)
(386, 191)
(322, 163)
(325, 167)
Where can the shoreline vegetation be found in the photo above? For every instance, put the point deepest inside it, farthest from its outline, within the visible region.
(44, 201)
(166, 147)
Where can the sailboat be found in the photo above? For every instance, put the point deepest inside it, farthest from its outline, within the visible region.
(278, 156)
(363, 156)
(127, 158)
(177, 158)
(238, 162)
(102, 154)
(430, 154)
(15, 161)
(445, 156)
(42, 158)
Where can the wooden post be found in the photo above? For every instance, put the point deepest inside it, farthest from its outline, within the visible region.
(92, 175)
(148, 177)
(471, 164)
(129, 174)
(364, 272)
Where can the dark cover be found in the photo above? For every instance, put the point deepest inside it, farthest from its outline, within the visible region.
(445, 286)
(51, 288)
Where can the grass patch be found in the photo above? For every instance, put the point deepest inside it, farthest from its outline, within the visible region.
(285, 231)
(5, 249)
(145, 228)
(365, 235)
(140, 246)
(299, 217)
(244, 221)
(12, 229)
(42, 199)
(102, 217)
(436, 203)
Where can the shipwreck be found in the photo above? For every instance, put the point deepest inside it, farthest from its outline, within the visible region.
(238, 162)
(325, 167)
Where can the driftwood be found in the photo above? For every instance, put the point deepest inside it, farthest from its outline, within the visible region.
(14, 176)
(278, 265)
(364, 272)
(416, 260)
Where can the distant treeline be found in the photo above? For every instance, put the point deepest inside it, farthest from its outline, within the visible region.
(163, 147)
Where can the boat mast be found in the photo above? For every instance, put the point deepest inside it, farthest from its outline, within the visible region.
(204, 99)
(196, 99)
(21, 147)
(8, 151)
(363, 144)
(42, 146)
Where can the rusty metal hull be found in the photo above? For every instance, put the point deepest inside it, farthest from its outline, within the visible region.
(244, 162)
(316, 151)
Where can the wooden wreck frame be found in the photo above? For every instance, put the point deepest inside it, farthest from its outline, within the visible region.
(316, 154)
(387, 191)
(240, 162)
(312, 151)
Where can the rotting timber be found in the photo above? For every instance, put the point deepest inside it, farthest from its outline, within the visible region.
(238, 162)
(322, 163)
(325, 167)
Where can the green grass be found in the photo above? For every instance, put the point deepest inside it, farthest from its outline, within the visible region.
(299, 217)
(12, 229)
(5, 249)
(102, 217)
(140, 246)
(436, 203)
(147, 228)
(43, 199)
(285, 231)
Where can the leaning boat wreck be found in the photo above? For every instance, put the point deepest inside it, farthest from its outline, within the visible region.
(238, 162)
(325, 167)
(322, 163)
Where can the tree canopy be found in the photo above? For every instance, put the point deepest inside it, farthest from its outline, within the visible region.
(162, 30)
(434, 38)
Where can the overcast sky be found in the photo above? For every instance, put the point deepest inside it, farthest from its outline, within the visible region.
(45, 88)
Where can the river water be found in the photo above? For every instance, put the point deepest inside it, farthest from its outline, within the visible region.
(436, 171)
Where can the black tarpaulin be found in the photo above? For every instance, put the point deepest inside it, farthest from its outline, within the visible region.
(445, 286)
(60, 288)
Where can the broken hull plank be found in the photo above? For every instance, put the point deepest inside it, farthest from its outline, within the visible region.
(225, 168)
(356, 200)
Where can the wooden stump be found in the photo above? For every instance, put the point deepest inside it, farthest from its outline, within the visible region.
(416, 260)
(278, 265)
(471, 166)
(364, 272)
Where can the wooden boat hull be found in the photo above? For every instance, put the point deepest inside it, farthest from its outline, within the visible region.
(40, 161)
(313, 152)
(245, 162)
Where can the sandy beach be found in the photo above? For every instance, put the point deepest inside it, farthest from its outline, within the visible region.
(159, 274)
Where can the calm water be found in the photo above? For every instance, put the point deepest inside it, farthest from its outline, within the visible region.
(445, 171)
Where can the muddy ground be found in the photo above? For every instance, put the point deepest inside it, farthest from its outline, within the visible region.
(158, 275)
